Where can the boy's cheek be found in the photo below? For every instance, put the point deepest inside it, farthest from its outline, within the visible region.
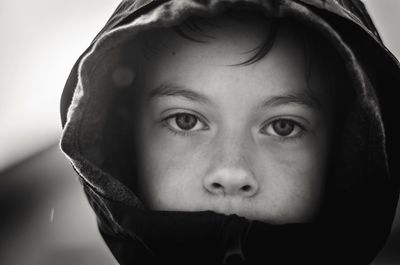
(296, 191)
(171, 171)
(291, 185)
(173, 183)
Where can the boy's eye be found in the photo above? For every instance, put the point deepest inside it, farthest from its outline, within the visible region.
(185, 122)
(283, 128)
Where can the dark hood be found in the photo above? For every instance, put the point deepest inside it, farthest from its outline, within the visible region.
(364, 191)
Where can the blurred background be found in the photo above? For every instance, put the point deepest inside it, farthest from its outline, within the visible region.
(45, 217)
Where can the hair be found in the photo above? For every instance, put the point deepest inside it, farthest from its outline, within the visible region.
(194, 29)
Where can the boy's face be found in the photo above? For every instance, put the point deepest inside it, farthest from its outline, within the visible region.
(251, 139)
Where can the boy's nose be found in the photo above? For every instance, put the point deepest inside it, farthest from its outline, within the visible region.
(230, 172)
(232, 182)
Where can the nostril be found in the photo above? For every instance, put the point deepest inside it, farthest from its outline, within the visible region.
(216, 185)
(232, 183)
(246, 188)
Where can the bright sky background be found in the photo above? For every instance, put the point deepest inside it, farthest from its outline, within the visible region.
(39, 42)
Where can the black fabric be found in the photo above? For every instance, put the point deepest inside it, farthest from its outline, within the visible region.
(209, 238)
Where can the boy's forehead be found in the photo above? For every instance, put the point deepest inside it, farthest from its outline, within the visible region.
(232, 41)
(222, 35)
(225, 41)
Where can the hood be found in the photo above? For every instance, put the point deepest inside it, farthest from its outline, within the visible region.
(359, 213)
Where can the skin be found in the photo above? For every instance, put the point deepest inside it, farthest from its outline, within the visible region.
(251, 140)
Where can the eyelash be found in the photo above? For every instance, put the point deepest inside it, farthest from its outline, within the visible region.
(175, 133)
(299, 135)
(164, 123)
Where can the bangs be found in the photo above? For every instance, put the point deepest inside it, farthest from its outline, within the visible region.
(196, 29)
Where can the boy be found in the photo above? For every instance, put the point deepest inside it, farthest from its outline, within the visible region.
(225, 132)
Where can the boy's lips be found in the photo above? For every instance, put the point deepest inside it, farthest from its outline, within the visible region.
(230, 206)
(242, 208)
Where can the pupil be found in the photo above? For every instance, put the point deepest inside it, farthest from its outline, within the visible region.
(283, 127)
(185, 121)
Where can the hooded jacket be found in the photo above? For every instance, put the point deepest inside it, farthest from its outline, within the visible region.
(358, 215)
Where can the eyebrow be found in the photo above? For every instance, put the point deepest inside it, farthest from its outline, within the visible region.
(305, 98)
(170, 89)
